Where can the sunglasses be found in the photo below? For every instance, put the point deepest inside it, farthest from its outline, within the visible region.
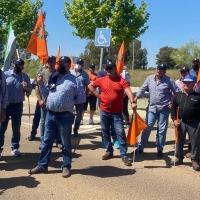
(50, 61)
(18, 65)
(92, 67)
(109, 68)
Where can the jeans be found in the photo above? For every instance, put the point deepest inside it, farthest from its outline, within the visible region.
(15, 112)
(36, 119)
(57, 122)
(79, 110)
(42, 126)
(162, 117)
(115, 119)
(125, 110)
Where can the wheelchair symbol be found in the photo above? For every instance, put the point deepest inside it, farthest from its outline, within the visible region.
(101, 38)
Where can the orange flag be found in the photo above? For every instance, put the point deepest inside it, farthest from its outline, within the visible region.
(198, 77)
(176, 128)
(137, 125)
(37, 44)
(120, 59)
(57, 57)
(72, 63)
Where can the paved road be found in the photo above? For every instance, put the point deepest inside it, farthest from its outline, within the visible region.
(92, 178)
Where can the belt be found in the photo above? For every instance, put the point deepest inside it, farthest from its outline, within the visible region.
(15, 104)
(59, 113)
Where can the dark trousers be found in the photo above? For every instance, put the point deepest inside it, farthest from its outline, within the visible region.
(125, 110)
(193, 129)
(36, 119)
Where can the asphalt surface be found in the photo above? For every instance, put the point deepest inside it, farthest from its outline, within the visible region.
(92, 178)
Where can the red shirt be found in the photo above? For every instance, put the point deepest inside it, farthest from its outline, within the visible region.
(92, 77)
(112, 93)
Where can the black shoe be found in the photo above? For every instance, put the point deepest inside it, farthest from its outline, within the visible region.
(159, 154)
(75, 133)
(31, 138)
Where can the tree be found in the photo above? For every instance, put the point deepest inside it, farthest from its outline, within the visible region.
(164, 57)
(185, 54)
(122, 16)
(23, 15)
(92, 54)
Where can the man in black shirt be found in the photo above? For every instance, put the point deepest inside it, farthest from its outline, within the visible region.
(188, 102)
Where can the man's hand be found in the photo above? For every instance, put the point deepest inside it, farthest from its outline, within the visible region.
(3, 116)
(134, 106)
(42, 103)
(176, 123)
(170, 105)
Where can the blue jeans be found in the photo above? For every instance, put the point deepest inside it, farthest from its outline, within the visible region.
(42, 126)
(115, 119)
(36, 119)
(79, 111)
(57, 122)
(15, 112)
(162, 116)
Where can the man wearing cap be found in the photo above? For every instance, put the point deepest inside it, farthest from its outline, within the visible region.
(61, 92)
(183, 72)
(91, 99)
(46, 73)
(160, 87)
(111, 103)
(195, 68)
(188, 102)
(18, 84)
(84, 78)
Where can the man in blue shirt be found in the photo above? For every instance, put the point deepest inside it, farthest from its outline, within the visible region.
(61, 93)
(18, 84)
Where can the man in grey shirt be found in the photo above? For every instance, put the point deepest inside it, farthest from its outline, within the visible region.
(160, 88)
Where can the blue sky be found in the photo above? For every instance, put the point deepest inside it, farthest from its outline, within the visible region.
(172, 23)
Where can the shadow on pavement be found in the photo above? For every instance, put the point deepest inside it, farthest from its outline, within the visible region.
(104, 171)
(9, 183)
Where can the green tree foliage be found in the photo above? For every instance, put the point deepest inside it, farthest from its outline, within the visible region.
(31, 67)
(92, 54)
(164, 57)
(185, 54)
(122, 16)
(23, 15)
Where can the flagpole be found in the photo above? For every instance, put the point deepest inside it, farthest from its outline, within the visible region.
(134, 156)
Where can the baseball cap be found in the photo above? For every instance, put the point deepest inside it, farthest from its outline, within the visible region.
(92, 65)
(196, 60)
(162, 67)
(184, 69)
(51, 58)
(190, 78)
(110, 64)
(65, 59)
(80, 61)
(19, 61)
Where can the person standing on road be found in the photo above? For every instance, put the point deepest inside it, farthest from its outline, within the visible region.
(84, 78)
(160, 87)
(18, 84)
(188, 102)
(111, 103)
(61, 93)
(91, 99)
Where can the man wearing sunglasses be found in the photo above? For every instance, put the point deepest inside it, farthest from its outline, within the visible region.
(18, 84)
(46, 73)
(111, 106)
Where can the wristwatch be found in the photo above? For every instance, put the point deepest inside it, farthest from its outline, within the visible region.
(133, 102)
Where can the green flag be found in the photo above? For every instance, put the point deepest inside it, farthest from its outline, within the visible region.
(10, 49)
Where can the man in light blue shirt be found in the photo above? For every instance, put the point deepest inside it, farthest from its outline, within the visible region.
(18, 84)
(160, 89)
(61, 92)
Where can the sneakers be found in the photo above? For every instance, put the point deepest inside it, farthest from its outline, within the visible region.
(178, 161)
(126, 161)
(188, 155)
(37, 171)
(81, 123)
(195, 165)
(31, 138)
(66, 173)
(107, 156)
(75, 133)
(16, 153)
(159, 154)
(1, 156)
(116, 144)
(91, 122)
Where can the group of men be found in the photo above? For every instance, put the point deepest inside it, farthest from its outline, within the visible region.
(60, 90)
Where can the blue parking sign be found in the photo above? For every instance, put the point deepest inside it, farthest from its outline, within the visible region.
(102, 37)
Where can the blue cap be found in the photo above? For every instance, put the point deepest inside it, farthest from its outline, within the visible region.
(190, 78)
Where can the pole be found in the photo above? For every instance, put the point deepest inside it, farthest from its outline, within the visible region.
(101, 58)
(133, 56)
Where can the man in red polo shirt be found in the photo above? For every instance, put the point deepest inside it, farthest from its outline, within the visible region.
(113, 87)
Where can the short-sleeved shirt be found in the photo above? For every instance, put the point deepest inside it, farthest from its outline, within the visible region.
(112, 93)
(92, 77)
